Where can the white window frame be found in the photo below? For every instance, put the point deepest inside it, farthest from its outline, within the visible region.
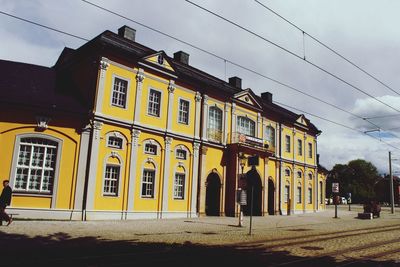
(286, 193)
(270, 135)
(298, 194)
(299, 174)
(51, 193)
(287, 172)
(299, 147)
(287, 143)
(143, 182)
(310, 150)
(158, 115)
(111, 179)
(181, 113)
(178, 186)
(150, 146)
(310, 176)
(244, 126)
(183, 155)
(125, 104)
(215, 123)
(309, 191)
(112, 144)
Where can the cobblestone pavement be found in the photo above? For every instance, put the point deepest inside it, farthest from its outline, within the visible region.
(314, 239)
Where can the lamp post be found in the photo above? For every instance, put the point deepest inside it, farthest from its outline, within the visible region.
(242, 163)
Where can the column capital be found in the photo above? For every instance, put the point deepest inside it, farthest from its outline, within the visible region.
(168, 140)
(171, 86)
(196, 147)
(140, 76)
(135, 133)
(205, 98)
(97, 125)
(104, 64)
(198, 97)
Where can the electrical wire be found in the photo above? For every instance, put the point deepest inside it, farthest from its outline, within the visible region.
(328, 47)
(85, 39)
(292, 53)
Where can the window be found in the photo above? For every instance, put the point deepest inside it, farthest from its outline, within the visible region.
(287, 143)
(286, 194)
(150, 149)
(114, 142)
(154, 103)
(299, 147)
(214, 124)
(148, 183)
(246, 126)
(309, 195)
(183, 115)
(287, 172)
(321, 194)
(299, 194)
(179, 186)
(310, 176)
(36, 165)
(270, 135)
(111, 180)
(310, 150)
(181, 154)
(299, 174)
(119, 93)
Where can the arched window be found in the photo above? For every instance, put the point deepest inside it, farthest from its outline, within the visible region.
(299, 174)
(287, 172)
(214, 131)
(310, 176)
(36, 165)
(148, 180)
(112, 176)
(270, 135)
(299, 193)
(246, 126)
(309, 194)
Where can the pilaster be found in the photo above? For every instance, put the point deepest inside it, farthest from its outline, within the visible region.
(103, 66)
(133, 168)
(197, 122)
(195, 177)
(205, 117)
(225, 123)
(139, 89)
(166, 174)
(171, 89)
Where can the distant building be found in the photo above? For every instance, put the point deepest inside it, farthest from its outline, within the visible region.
(382, 189)
(117, 130)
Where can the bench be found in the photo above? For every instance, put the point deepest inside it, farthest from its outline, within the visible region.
(11, 216)
(365, 215)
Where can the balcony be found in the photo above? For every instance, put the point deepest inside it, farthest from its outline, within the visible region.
(251, 141)
(214, 135)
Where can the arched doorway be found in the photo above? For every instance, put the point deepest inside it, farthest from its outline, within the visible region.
(253, 182)
(213, 194)
(271, 197)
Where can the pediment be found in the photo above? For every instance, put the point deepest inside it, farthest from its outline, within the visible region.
(302, 120)
(247, 96)
(159, 61)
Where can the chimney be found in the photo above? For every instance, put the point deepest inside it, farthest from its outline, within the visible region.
(127, 32)
(266, 97)
(236, 82)
(182, 57)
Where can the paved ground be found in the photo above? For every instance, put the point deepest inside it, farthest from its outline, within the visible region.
(315, 239)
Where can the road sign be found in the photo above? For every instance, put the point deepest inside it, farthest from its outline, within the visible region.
(335, 187)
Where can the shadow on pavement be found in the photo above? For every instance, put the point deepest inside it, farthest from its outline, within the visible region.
(60, 249)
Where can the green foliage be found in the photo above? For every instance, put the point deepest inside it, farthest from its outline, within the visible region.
(357, 177)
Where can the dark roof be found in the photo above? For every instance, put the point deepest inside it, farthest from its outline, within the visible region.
(33, 85)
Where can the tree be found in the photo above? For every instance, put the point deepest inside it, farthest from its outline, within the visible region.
(357, 177)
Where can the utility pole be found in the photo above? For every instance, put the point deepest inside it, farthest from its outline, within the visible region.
(391, 183)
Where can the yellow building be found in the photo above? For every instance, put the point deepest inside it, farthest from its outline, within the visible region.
(116, 130)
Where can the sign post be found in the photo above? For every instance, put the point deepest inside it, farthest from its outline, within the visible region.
(335, 190)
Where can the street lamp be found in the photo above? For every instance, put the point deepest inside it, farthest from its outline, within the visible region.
(242, 163)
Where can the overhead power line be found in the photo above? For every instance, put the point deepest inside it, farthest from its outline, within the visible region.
(85, 39)
(328, 47)
(291, 53)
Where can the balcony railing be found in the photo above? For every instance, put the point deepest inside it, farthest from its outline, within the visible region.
(253, 141)
(214, 135)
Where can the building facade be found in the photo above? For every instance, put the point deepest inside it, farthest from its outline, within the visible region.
(116, 130)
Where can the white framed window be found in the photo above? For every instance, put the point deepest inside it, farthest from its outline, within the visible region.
(309, 195)
(310, 176)
(154, 103)
(270, 135)
(299, 194)
(115, 142)
(150, 149)
(299, 147)
(310, 152)
(119, 92)
(183, 113)
(246, 126)
(179, 186)
(214, 131)
(286, 195)
(181, 154)
(111, 180)
(287, 143)
(287, 172)
(148, 181)
(36, 165)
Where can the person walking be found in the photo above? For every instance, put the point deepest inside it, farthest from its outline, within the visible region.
(5, 200)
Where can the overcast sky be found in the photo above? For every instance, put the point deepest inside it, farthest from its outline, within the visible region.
(364, 31)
